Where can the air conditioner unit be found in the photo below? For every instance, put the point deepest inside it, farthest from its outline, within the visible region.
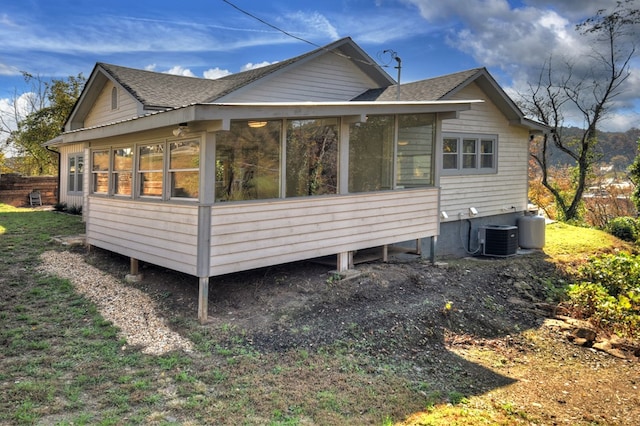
(499, 240)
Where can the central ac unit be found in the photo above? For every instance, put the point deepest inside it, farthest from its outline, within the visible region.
(499, 240)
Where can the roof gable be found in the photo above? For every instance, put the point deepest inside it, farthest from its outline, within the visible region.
(155, 91)
(446, 86)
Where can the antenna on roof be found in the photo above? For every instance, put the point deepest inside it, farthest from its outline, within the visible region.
(395, 56)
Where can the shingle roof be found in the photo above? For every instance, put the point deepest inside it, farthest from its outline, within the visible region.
(431, 89)
(160, 90)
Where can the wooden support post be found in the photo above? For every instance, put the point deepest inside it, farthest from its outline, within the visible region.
(134, 266)
(345, 261)
(385, 253)
(203, 299)
(419, 246)
(134, 274)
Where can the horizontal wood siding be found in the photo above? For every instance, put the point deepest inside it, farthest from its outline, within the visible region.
(64, 196)
(101, 112)
(491, 194)
(159, 233)
(327, 78)
(255, 235)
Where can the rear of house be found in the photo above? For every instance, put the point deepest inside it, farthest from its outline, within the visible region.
(296, 160)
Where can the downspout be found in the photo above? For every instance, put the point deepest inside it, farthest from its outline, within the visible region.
(59, 156)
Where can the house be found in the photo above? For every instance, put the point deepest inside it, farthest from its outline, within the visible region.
(309, 157)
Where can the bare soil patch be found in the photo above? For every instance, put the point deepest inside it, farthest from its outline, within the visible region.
(474, 326)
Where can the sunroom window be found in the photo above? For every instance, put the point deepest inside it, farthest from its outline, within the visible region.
(150, 167)
(312, 157)
(100, 171)
(415, 147)
(371, 154)
(122, 170)
(248, 161)
(184, 168)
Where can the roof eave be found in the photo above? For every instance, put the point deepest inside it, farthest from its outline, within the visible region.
(224, 113)
(534, 127)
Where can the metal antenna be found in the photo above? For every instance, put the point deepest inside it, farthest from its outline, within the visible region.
(395, 56)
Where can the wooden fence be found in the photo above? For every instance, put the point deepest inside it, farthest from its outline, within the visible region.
(15, 189)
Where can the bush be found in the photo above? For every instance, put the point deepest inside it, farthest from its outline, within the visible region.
(609, 293)
(624, 227)
(62, 207)
(75, 210)
(617, 273)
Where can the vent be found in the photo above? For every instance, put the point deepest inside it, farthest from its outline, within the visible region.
(499, 240)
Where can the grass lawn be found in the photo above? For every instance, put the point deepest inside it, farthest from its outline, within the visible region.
(63, 364)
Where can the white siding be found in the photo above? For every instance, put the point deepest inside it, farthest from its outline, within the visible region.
(329, 77)
(261, 234)
(65, 197)
(491, 194)
(159, 233)
(101, 112)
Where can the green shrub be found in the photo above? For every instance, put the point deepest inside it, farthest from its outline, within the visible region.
(588, 298)
(624, 227)
(617, 273)
(60, 207)
(75, 210)
(609, 293)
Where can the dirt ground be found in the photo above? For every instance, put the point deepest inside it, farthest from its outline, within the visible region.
(479, 326)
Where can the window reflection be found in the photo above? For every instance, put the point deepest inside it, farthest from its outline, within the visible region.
(248, 161)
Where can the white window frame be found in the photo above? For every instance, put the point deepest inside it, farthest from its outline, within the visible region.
(75, 179)
(95, 173)
(476, 168)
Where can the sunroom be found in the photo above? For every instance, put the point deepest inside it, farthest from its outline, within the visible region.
(211, 189)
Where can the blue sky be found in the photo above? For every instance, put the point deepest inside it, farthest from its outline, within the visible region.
(210, 38)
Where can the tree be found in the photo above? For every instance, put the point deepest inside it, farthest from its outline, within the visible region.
(590, 91)
(634, 175)
(39, 117)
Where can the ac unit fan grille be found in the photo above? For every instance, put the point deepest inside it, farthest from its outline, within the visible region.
(500, 240)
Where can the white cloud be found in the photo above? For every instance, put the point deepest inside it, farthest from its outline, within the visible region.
(519, 41)
(12, 111)
(179, 70)
(252, 66)
(214, 73)
(621, 122)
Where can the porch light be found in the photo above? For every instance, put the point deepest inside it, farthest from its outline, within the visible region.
(181, 130)
(403, 143)
(257, 124)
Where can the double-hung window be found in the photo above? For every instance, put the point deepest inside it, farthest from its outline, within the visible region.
(122, 171)
(100, 171)
(76, 174)
(184, 169)
(469, 154)
(150, 167)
